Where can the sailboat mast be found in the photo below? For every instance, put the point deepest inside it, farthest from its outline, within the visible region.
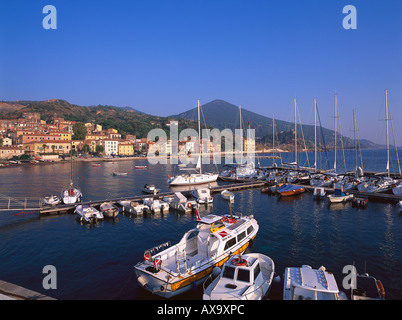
(71, 162)
(315, 133)
(295, 134)
(386, 119)
(273, 140)
(336, 105)
(354, 134)
(199, 133)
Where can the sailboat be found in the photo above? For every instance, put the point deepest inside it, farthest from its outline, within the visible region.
(72, 194)
(195, 178)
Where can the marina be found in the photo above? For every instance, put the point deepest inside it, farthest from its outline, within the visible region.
(293, 230)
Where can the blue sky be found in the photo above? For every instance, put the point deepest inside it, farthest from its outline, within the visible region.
(161, 56)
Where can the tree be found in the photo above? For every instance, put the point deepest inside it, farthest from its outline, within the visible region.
(80, 131)
(85, 148)
(99, 149)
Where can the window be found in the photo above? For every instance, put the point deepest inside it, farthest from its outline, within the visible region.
(230, 243)
(250, 229)
(243, 275)
(241, 236)
(228, 272)
(256, 271)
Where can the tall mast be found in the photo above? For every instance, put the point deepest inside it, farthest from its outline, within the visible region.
(315, 133)
(273, 140)
(336, 105)
(295, 134)
(354, 134)
(386, 119)
(199, 133)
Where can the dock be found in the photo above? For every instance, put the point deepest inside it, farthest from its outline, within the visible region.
(66, 208)
(9, 291)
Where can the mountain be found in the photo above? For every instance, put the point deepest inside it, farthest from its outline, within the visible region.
(221, 114)
(125, 120)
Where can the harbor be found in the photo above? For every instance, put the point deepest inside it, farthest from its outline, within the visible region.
(293, 230)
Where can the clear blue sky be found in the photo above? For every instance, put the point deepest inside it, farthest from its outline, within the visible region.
(160, 56)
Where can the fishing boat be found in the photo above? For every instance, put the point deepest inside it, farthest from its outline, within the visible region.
(319, 193)
(227, 195)
(51, 200)
(202, 195)
(243, 277)
(339, 196)
(288, 190)
(175, 269)
(96, 165)
(134, 207)
(367, 288)
(88, 214)
(109, 210)
(306, 283)
(150, 189)
(195, 178)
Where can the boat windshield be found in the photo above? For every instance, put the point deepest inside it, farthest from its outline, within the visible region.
(228, 272)
(305, 294)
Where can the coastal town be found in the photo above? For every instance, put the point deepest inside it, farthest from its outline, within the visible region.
(30, 138)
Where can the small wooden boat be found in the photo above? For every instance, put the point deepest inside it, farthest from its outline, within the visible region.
(150, 189)
(227, 195)
(243, 277)
(51, 200)
(88, 214)
(109, 210)
(288, 190)
(96, 165)
(140, 167)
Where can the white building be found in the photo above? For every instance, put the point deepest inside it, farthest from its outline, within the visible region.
(110, 146)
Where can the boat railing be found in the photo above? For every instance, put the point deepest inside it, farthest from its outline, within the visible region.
(149, 253)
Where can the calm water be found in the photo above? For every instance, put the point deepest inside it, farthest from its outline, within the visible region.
(97, 262)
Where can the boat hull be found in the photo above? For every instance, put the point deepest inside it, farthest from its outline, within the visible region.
(193, 179)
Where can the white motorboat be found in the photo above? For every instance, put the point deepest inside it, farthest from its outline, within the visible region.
(109, 210)
(134, 207)
(243, 277)
(150, 188)
(51, 200)
(181, 203)
(319, 193)
(177, 268)
(88, 214)
(227, 195)
(339, 196)
(202, 195)
(306, 283)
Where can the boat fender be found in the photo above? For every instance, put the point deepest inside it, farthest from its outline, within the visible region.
(277, 278)
(381, 289)
(142, 281)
